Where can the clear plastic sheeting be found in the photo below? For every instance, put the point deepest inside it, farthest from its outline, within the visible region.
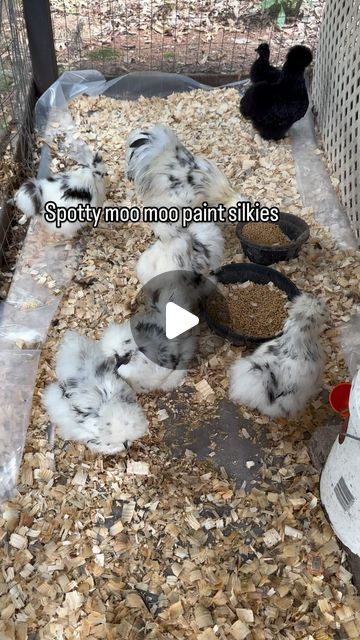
(43, 270)
(18, 375)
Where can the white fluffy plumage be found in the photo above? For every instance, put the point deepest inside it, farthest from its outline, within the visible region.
(165, 173)
(83, 185)
(90, 403)
(152, 362)
(282, 375)
(198, 249)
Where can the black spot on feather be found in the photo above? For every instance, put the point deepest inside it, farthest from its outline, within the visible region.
(104, 367)
(150, 328)
(79, 412)
(124, 359)
(184, 157)
(199, 247)
(274, 379)
(139, 142)
(72, 383)
(34, 191)
(180, 261)
(97, 159)
(174, 182)
(155, 297)
(273, 349)
(74, 193)
(174, 360)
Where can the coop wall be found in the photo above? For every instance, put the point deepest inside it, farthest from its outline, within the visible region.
(336, 96)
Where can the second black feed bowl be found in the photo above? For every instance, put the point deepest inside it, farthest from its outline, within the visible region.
(238, 273)
(294, 227)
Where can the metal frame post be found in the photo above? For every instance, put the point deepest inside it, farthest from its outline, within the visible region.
(41, 43)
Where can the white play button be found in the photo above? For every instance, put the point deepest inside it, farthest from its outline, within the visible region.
(178, 320)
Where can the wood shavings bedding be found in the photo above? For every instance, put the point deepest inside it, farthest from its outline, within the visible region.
(90, 547)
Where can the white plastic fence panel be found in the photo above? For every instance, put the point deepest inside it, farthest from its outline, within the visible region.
(336, 97)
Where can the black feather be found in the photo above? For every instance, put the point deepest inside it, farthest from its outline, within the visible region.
(97, 159)
(139, 142)
(105, 367)
(34, 191)
(75, 193)
(124, 359)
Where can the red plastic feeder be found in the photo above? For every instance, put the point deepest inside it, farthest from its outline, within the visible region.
(339, 398)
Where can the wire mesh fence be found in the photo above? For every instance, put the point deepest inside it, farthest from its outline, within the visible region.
(15, 117)
(203, 36)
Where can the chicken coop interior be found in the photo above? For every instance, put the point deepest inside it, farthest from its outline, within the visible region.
(179, 320)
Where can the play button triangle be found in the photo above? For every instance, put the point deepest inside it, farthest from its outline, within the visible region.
(178, 320)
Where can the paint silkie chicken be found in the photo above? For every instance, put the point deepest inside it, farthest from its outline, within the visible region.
(198, 249)
(83, 185)
(90, 403)
(167, 174)
(151, 362)
(282, 375)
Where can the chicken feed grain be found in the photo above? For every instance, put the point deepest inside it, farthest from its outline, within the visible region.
(265, 233)
(257, 310)
(90, 549)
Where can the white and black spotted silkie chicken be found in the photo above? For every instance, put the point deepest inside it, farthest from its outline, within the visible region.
(90, 402)
(145, 358)
(165, 173)
(273, 107)
(199, 248)
(261, 70)
(83, 185)
(282, 375)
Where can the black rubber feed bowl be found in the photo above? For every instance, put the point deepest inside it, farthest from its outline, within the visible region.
(294, 227)
(232, 273)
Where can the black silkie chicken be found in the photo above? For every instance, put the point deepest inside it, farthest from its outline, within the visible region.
(274, 107)
(261, 70)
